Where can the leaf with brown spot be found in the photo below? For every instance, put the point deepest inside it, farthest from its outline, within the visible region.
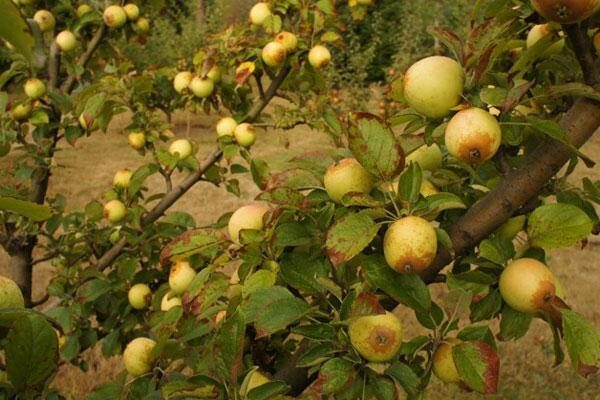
(366, 303)
(244, 72)
(349, 236)
(478, 365)
(206, 242)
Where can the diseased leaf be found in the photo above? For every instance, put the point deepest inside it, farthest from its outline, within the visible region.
(478, 365)
(558, 225)
(335, 374)
(273, 309)
(349, 236)
(406, 377)
(583, 342)
(230, 342)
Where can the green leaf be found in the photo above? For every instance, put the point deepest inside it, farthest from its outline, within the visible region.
(487, 307)
(406, 377)
(514, 324)
(497, 250)
(384, 388)
(15, 29)
(335, 375)
(582, 340)
(316, 331)
(273, 309)
(27, 209)
(268, 390)
(258, 280)
(302, 272)
(558, 225)
(478, 365)
(230, 341)
(439, 202)
(349, 236)
(410, 183)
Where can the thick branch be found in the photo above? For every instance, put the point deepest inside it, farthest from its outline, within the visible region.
(582, 46)
(85, 57)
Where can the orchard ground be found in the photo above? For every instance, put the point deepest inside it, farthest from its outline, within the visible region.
(84, 172)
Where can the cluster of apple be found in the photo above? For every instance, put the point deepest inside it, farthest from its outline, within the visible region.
(200, 86)
(116, 17)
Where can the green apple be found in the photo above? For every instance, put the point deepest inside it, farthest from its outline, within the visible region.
(429, 158)
(259, 13)
(473, 135)
(122, 178)
(273, 54)
(246, 217)
(115, 210)
(410, 244)
(21, 111)
(114, 16)
(377, 338)
(82, 10)
(434, 85)
(132, 11)
(45, 20)
(180, 277)
(139, 296)
(10, 294)
(245, 134)
(319, 56)
(202, 87)
(347, 176)
(66, 41)
(34, 88)
(288, 40)
(181, 148)
(141, 26)
(137, 140)
(182, 81)
(137, 356)
(169, 300)
(214, 74)
(443, 361)
(527, 285)
(226, 126)
(566, 11)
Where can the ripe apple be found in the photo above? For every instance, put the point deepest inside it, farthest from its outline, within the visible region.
(34, 88)
(66, 41)
(540, 31)
(288, 40)
(169, 301)
(10, 294)
(137, 140)
(245, 134)
(473, 135)
(115, 210)
(45, 20)
(429, 158)
(180, 277)
(443, 361)
(202, 87)
(122, 178)
(137, 356)
(259, 13)
(141, 26)
(214, 74)
(410, 244)
(434, 85)
(82, 10)
(319, 56)
(21, 111)
(181, 81)
(132, 11)
(347, 176)
(139, 296)
(182, 148)
(527, 285)
(376, 337)
(246, 217)
(114, 16)
(273, 54)
(566, 11)
(226, 126)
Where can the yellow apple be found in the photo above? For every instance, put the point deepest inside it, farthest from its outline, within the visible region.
(115, 210)
(45, 20)
(245, 134)
(82, 10)
(139, 296)
(122, 178)
(410, 244)
(319, 56)
(288, 40)
(21, 111)
(137, 140)
(10, 294)
(443, 361)
(137, 356)
(214, 74)
(429, 158)
(377, 338)
(202, 87)
(181, 148)
(566, 11)
(132, 11)
(180, 277)
(141, 26)
(114, 16)
(473, 135)
(527, 285)
(347, 176)
(169, 301)
(226, 126)
(259, 13)
(66, 41)
(182, 81)
(273, 54)
(246, 217)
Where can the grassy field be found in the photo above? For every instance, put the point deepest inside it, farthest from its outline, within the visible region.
(84, 172)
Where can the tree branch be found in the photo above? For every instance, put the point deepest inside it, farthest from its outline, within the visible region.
(85, 57)
(582, 46)
(53, 66)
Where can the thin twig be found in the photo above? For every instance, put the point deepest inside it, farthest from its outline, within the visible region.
(40, 301)
(582, 46)
(85, 57)
(261, 90)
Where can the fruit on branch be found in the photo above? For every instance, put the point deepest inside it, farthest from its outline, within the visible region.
(347, 176)
(168, 301)
(226, 126)
(538, 32)
(434, 85)
(137, 140)
(82, 10)
(45, 20)
(122, 178)
(88, 122)
(566, 11)
(473, 135)
(10, 294)
(141, 26)
(288, 40)
(377, 338)
(259, 13)
(527, 285)
(180, 277)
(34, 88)
(319, 56)
(443, 361)
(66, 41)
(114, 16)
(132, 11)
(181, 148)
(202, 87)
(137, 356)
(246, 217)
(273, 54)
(139, 296)
(429, 158)
(245, 134)
(214, 74)
(115, 210)
(21, 111)
(181, 81)
(410, 244)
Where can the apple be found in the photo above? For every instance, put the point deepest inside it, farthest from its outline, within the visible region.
(114, 16)
(319, 56)
(226, 126)
(34, 88)
(566, 11)
(181, 148)
(540, 31)
(220, 316)
(527, 285)
(21, 111)
(245, 134)
(202, 87)
(122, 178)
(88, 122)
(427, 188)
(45, 20)
(10, 294)
(141, 26)
(214, 74)
(429, 158)
(434, 85)
(132, 11)
(473, 135)
(376, 337)
(273, 54)
(288, 40)
(82, 10)
(181, 81)
(246, 217)
(259, 13)
(115, 210)
(139, 296)
(410, 244)
(347, 176)
(180, 277)
(443, 361)
(66, 41)
(137, 140)
(137, 356)
(169, 301)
